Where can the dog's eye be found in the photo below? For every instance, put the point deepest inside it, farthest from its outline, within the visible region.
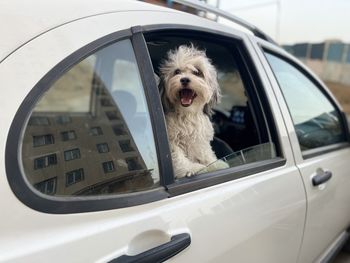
(198, 73)
(177, 72)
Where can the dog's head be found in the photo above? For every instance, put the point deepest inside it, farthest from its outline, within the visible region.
(188, 81)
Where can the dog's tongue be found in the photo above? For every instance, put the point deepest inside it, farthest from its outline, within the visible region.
(186, 97)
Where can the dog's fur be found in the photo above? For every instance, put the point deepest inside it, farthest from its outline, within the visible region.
(187, 115)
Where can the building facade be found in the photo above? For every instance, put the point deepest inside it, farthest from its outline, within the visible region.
(82, 153)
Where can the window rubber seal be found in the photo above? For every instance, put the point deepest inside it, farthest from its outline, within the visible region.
(184, 185)
(155, 106)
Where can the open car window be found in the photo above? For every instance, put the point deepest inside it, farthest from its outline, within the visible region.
(242, 135)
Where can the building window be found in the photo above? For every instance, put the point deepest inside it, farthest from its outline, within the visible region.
(133, 164)
(47, 187)
(102, 147)
(43, 140)
(112, 115)
(37, 121)
(63, 119)
(74, 176)
(95, 131)
(125, 146)
(119, 130)
(108, 167)
(106, 102)
(72, 154)
(68, 135)
(45, 161)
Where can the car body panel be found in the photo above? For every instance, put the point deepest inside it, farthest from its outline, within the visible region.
(220, 220)
(328, 203)
(255, 213)
(25, 21)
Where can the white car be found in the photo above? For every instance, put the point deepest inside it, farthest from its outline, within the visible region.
(86, 171)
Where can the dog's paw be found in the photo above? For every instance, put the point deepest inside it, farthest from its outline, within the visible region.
(221, 165)
(218, 165)
(196, 169)
(190, 174)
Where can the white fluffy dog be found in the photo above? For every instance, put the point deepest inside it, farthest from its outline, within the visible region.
(189, 90)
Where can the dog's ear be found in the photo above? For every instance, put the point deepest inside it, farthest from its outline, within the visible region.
(165, 101)
(208, 108)
(216, 97)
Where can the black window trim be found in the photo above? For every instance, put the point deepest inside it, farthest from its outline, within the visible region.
(311, 153)
(154, 105)
(185, 185)
(26, 192)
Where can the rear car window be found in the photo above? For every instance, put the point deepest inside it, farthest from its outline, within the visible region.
(90, 134)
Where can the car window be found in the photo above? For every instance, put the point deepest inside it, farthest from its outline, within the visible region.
(316, 120)
(241, 135)
(90, 133)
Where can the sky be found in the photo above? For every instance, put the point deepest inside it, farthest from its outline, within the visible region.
(299, 20)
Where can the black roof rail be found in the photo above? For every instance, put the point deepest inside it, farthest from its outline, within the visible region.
(208, 8)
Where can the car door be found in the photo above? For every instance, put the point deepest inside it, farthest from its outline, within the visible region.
(320, 143)
(87, 175)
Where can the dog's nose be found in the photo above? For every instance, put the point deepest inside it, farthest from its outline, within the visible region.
(184, 81)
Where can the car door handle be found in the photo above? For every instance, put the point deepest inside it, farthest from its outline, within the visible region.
(321, 178)
(158, 254)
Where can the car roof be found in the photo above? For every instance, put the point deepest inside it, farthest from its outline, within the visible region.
(24, 20)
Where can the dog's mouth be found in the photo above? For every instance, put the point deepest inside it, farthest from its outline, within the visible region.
(187, 96)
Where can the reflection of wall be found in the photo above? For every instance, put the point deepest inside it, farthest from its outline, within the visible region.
(330, 60)
(76, 166)
(63, 97)
(232, 89)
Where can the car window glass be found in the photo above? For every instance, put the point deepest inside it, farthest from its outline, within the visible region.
(90, 133)
(252, 154)
(315, 118)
